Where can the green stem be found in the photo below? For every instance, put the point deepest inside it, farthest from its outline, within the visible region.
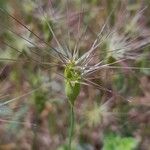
(71, 128)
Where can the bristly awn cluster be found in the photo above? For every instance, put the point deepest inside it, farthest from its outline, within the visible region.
(70, 48)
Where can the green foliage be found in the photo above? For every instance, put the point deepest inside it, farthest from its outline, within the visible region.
(111, 59)
(142, 63)
(40, 99)
(47, 34)
(126, 86)
(3, 3)
(82, 146)
(40, 96)
(94, 1)
(115, 142)
(119, 81)
(65, 147)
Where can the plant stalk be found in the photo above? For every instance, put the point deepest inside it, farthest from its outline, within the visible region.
(71, 128)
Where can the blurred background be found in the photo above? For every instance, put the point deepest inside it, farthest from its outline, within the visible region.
(34, 112)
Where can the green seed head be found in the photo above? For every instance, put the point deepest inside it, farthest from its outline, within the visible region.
(72, 82)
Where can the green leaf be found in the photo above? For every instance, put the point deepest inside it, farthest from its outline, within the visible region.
(115, 142)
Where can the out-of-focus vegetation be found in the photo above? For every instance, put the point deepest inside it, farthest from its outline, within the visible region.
(33, 107)
(117, 143)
